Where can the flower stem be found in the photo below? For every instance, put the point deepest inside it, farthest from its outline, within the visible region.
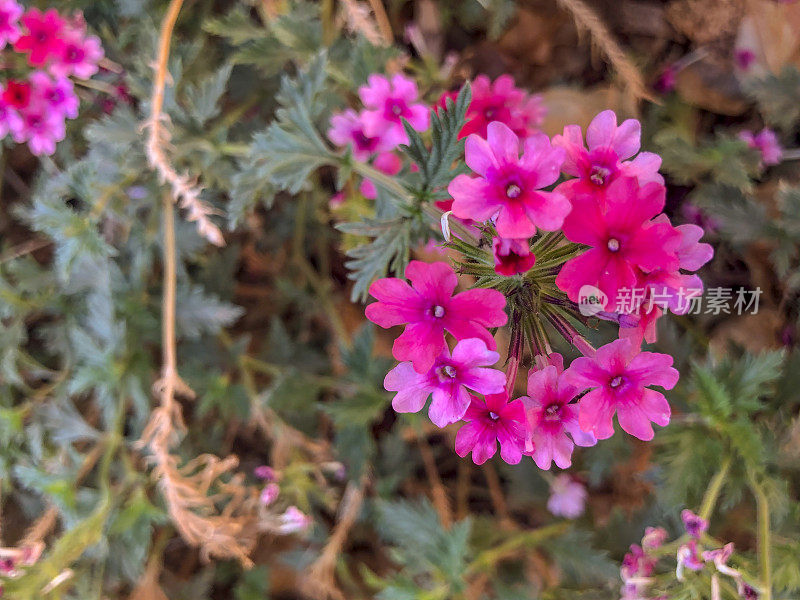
(714, 488)
(764, 549)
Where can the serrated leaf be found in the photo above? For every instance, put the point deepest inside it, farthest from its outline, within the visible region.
(200, 313)
(203, 99)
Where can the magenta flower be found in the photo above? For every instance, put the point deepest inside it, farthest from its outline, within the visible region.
(447, 380)
(489, 422)
(766, 142)
(43, 37)
(41, 128)
(429, 309)
(79, 55)
(622, 237)
(264, 472)
(618, 376)
(509, 185)
(9, 117)
(654, 537)
(695, 526)
(567, 497)
(512, 257)
(10, 12)
(636, 564)
(269, 494)
(387, 103)
(744, 58)
(294, 520)
(552, 420)
(500, 101)
(608, 146)
(58, 95)
(689, 558)
(347, 129)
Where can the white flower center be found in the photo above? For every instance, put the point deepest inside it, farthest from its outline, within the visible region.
(513, 190)
(613, 245)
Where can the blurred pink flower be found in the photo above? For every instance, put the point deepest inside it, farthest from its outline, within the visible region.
(567, 497)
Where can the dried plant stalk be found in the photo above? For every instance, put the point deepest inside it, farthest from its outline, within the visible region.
(185, 189)
(587, 20)
(358, 19)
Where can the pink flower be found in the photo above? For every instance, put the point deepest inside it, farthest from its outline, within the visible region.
(17, 94)
(618, 376)
(387, 103)
(766, 142)
(667, 79)
(41, 128)
(567, 497)
(509, 186)
(10, 12)
(694, 525)
(654, 537)
(491, 421)
(429, 308)
(744, 58)
(608, 146)
(43, 38)
(387, 162)
(57, 94)
(512, 257)
(9, 118)
(347, 129)
(269, 494)
(552, 420)
(264, 472)
(688, 557)
(623, 239)
(500, 101)
(447, 380)
(636, 564)
(79, 55)
(294, 520)
(719, 556)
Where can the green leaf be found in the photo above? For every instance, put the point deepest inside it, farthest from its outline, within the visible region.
(387, 253)
(777, 95)
(201, 313)
(203, 99)
(436, 165)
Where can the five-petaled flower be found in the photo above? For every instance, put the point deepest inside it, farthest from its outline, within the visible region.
(429, 308)
(552, 419)
(387, 103)
(447, 380)
(509, 186)
(619, 376)
(489, 422)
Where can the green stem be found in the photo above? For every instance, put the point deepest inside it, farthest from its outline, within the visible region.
(764, 544)
(714, 488)
(526, 539)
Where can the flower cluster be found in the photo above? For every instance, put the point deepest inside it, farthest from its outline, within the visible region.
(561, 217)
(375, 132)
(35, 106)
(639, 564)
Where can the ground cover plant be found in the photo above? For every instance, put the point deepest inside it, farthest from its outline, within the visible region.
(399, 300)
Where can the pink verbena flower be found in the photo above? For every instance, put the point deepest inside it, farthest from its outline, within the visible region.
(689, 557)
(609, 146)
(567, 497)
(654, 537)
(41, 128)
(429, 308)
(9, 118)
(695, 525)
(509, 185)
(512, 257)
(623, 239)
(618, 376)
(264, 472)
(552, 420)
(347, 129)
(387, 162)
(58, 94)
(489, 422)
(10, 12)
(766, 142)
(269, 494)
(43, 37)
(80, 55)
(636, 563)
(502, 101)
(447, 380)
(387, 103)
(294, 520)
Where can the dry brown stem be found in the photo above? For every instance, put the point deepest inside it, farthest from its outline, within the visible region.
(185, 190)
(587, 19)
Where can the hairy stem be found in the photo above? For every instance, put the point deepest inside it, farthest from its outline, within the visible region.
(764, 537)
(714, 488)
